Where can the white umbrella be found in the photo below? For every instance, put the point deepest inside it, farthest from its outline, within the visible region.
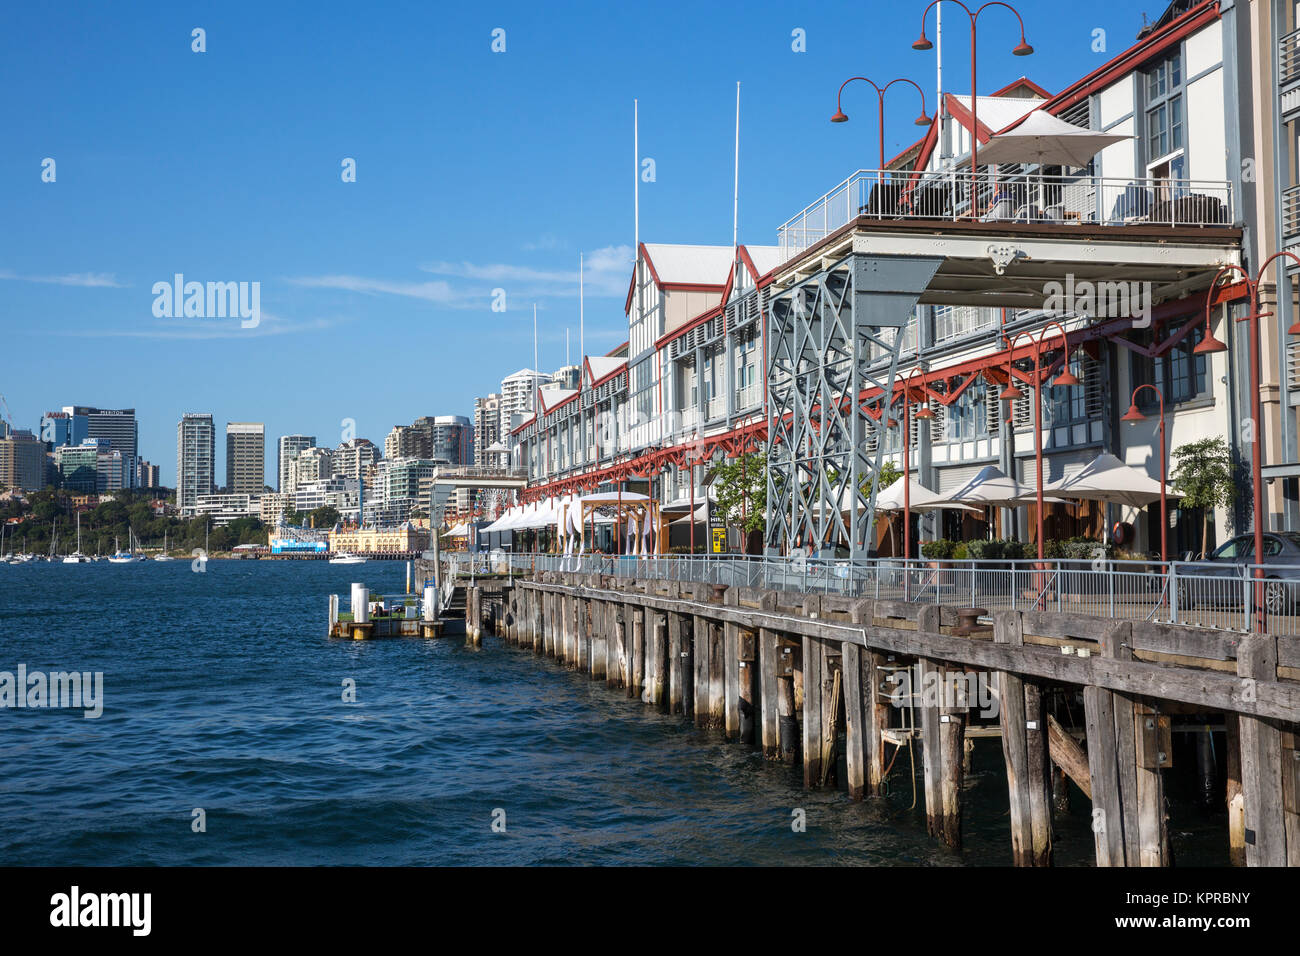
(1106, 478)
(922, 499)
(991, 487)
(1043, 139)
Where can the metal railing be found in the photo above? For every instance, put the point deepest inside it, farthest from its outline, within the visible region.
(958, 321)
(1288, 58)
(1010, 197)
(1200, 594)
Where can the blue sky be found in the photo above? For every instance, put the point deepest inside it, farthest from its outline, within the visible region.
(475, 170)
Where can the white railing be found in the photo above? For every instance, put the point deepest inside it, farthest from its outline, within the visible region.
(959, 321)
(751, 396)
(1288, 58)
(1017, 198)
(1201, 594)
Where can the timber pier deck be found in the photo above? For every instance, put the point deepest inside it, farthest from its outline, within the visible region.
(811, 678)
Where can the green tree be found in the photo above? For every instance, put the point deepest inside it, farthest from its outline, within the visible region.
(1204, 474)
(325, 517)
(740, 488)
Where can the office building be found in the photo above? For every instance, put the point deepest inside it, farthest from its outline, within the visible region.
(245, 458)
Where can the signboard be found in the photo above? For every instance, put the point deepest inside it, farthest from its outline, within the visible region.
(717, 531)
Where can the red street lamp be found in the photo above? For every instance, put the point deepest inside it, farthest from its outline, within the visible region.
(1208, 346)
(842, 117)
(1133, 415)
(1021, 49)
(1066, 378)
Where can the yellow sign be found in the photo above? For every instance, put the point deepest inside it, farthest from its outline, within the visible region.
(719, 540)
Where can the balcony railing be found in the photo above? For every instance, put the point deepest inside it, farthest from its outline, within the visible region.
(749, 397)
(957, 322)
(1291, 212)
(1071, 200)
(1288, 58)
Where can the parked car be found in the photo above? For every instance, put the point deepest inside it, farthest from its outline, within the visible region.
(1234, 559)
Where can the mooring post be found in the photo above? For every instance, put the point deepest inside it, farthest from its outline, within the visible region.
(614, 675)
(731, 695)
(334, 614)
(636, 663)
(659, 674)
(700, 645)
(686, 628)
(1234, 799)
(1261, 759)
(1027, 779)
(769, 665)
(813, 677)
(598, 640)
(856, 705)
(676, 661)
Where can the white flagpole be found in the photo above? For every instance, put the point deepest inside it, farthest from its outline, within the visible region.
(938, 60)
(735, 196)
(582, 348)
(532, 394)
(636, 182)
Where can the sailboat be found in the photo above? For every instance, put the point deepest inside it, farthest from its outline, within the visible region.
(164, 556)
(76, 557)
(125, 557)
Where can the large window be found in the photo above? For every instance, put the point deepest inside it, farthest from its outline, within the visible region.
(968, 416)
(1179, 374)
(1165, 107)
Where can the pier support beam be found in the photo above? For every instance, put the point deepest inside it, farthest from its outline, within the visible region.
(659, 661)
(1261, 760)
(636, 653)
(813, 679)
(1024, 749)
(677, 654)
(731, 669)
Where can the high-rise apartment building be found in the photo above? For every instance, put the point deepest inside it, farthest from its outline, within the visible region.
(22, 461)
(487, 429)
(245, 458)
(195, 459)
(289, 447)
(353, 457)
(519, 396)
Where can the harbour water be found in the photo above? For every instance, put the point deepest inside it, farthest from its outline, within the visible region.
(221, 693)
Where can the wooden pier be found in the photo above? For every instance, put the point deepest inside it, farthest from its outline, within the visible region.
(813, 679)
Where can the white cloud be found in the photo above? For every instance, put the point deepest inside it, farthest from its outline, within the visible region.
(88, 280)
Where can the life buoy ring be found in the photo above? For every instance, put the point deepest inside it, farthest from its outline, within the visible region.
(1121, 533)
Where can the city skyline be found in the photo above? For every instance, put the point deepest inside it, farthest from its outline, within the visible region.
(374, 254)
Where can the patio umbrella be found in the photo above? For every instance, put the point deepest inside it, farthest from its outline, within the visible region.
(1043, 139)
(991, 487)
(922, 499)
(1108, 479)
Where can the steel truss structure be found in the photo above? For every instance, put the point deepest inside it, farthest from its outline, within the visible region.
(834, 339)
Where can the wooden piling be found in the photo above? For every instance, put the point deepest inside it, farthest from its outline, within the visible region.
(636, 656)
(659, 670)
(812, 710)
(1261, 758)
(731, 670)
(676, 657)
(1028, 782)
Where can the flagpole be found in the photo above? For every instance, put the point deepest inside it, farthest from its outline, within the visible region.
(735, 196)
(532, 398)
(582, 348)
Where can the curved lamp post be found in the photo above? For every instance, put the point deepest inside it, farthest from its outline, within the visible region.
(1021, 49)
(1133, 415)
(1208, 346)
(1010, 393)
(842, 117)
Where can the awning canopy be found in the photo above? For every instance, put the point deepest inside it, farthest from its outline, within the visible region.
(991, 487)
